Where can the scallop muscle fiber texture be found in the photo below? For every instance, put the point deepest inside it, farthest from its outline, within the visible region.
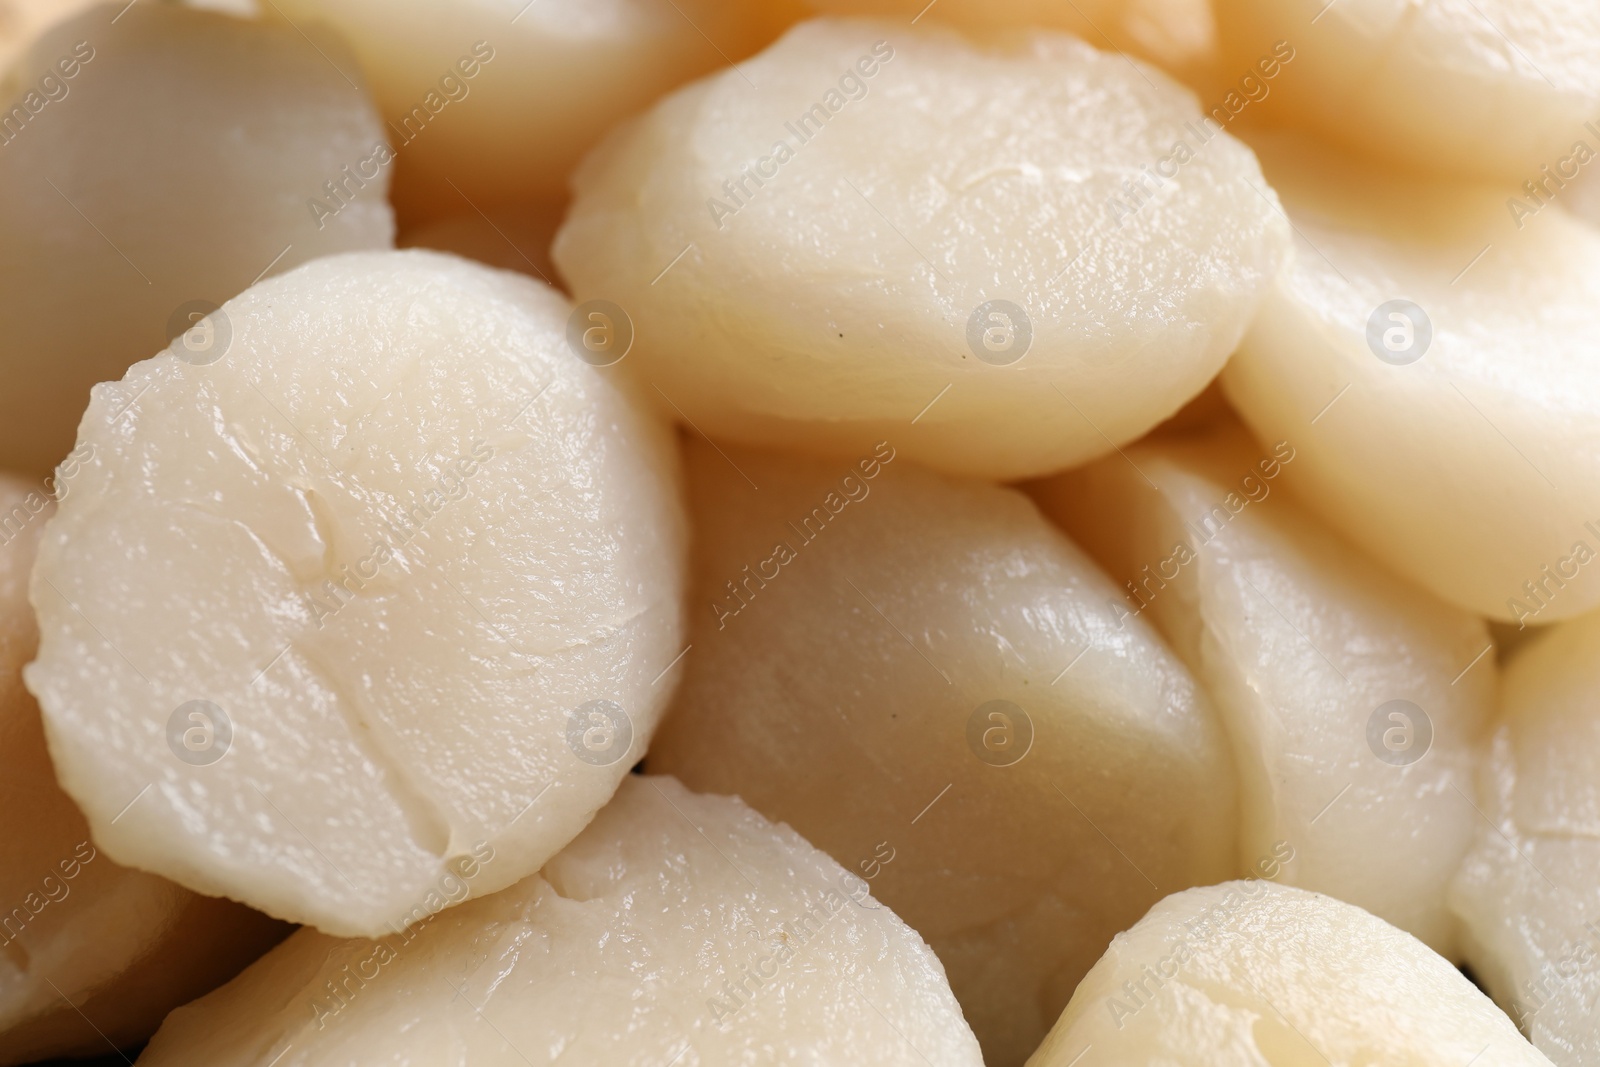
(1483, 88)
(1267, 975)
(1433, 364)
(92, 951)
(1529, 892)
(924, 677)
(419, 564)
(677, 929)
(1006, 258)
(1356, 702)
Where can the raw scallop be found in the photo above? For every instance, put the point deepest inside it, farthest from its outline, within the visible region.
(1433, 364)
(493, 103)
(969, 250)
(1354, 700)
(1253, 973)
(92, 955)
(923, 678)
(1529, 892)
(1492, 88)
(677, 929)
(390, 576)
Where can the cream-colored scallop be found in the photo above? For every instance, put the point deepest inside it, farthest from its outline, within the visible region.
(923, 678)
(90, 952)
(1354, 700)
(154, 161)
(418, 564)
(1529, 892)
(489, 103)
(1258, 974)
(1005, 258)
(677, 928)
(1487, 88)
(1460, 446)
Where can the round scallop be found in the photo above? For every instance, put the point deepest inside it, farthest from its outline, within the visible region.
(1486, 88)
(922, 677)
(1527, 894)
(155, 161)
(1262, 974)
(1355, 702)
(1006, 258)
(371, 570)
(491, 104)
(677, 928)
(90, 952)
(1430, 355)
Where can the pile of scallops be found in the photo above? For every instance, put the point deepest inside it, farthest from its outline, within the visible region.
(684, 533)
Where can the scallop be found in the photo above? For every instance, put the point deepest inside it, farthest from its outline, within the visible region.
(92, 955)
(1429, 354)
(1527, 892)
(1007, 258)
(923, 677)
(1355, 701)
(677, 928)
(1486, 88)
(490, 104)
(1258, 973)
(154, 162)
(372, 572)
